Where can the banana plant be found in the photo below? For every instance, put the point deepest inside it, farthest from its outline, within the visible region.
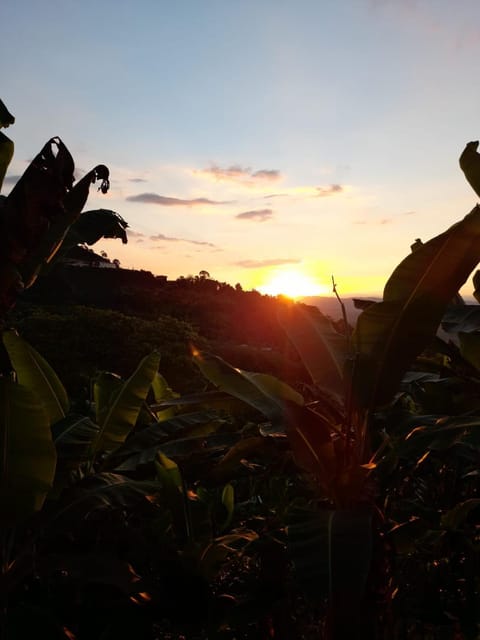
(354, 377)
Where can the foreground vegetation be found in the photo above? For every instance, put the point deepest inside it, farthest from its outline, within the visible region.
(333, 494)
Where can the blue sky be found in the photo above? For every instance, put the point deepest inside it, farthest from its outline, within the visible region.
(250, 138)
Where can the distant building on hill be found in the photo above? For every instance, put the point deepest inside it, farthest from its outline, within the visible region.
(81, 257)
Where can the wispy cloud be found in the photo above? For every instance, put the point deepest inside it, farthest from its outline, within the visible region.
(165, 201)
(161, 237)
(259, 215)
(137, 180)
(274, 262)
(237, 173)
(323, 192)
(135, 234)
(374, 222)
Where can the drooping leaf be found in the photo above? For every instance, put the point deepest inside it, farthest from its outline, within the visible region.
(390, 334)
(6, 118)
(34, 372)
(6, 154)
(30, 213)
(71, 206)
(125, 408)
(235, 382)
(470, 165)
(322, 349)
(91, 226)
(27, 453)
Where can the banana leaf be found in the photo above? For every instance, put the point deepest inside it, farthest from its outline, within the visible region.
(240, 384)
(102, 491)
(27, 453)
(52, 239)
(470, 348)
(470, 165)
(151, 438)
(106, 387)
(6, 155)
(203, 447)
(91, 226)
(6, 118)
(74, 437)
(456, 516)
(34, 372)
(390, 334)
(331, 552)
(322, 349)
(125, 408)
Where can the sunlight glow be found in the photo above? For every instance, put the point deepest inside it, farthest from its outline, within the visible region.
(294, 284)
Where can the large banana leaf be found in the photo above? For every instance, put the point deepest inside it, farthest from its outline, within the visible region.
(125, 408)
(91, 226)
(74, 438)
(390, 334)
(331, 552)
(6, 155)
(27, 453)
(143, 445)
(309, 433)
(106, 387)
(322, 349)
(34, 372)
(6, 145)
(103, 491)
(242, 385)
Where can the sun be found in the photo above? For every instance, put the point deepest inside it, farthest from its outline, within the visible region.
(293, 284)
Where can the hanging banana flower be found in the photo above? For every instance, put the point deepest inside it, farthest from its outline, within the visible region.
(37, 214)
(470, 165)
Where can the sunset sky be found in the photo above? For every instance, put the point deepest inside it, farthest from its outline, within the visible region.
(253, 138)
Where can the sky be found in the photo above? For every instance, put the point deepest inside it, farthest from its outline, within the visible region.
(263, 141)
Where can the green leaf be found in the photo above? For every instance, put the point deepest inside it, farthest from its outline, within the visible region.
(106, 387)
(390, 334)
(228, 501)
(168, 472)
(74, 438)
(27, 453)
(125, 408)
(238, 384)
(322, 349)
(470, 348)
(34, 372)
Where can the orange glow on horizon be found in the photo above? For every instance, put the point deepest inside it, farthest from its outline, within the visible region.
(293, 283)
